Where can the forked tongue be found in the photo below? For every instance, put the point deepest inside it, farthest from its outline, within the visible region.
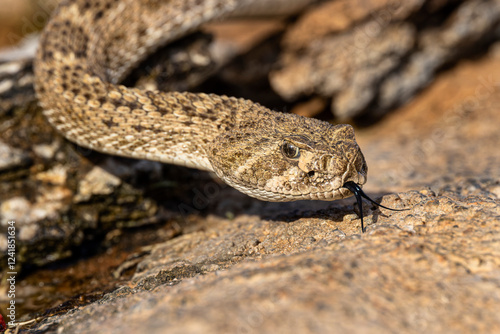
(358, 193)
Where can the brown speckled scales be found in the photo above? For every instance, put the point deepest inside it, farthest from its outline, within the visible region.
(90, 45)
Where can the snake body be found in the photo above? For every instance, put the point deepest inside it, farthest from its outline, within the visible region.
(89, 46)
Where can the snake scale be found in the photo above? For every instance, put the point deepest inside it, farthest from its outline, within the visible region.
(89, 46)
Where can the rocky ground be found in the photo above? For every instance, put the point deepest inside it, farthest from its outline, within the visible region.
(202, 257)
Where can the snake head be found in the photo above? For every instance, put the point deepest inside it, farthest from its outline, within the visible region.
(287, 157)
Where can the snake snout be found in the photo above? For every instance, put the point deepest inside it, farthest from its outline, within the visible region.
(355, 169)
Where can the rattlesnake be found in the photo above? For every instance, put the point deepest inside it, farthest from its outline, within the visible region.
(89, 46)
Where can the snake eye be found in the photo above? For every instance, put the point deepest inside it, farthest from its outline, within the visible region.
(290, 151)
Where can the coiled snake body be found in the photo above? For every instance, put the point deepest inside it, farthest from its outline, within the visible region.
(90, 45)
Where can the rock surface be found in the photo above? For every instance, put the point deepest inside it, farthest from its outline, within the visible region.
(232, 264)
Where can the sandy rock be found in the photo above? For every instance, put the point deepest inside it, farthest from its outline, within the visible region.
(96, 182)
(11, 157)
(414, 270)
